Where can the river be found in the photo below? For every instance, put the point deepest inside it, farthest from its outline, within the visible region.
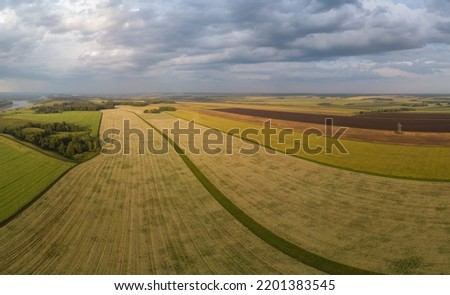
(17, 103)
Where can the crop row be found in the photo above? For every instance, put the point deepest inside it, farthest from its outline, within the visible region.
(367, 221)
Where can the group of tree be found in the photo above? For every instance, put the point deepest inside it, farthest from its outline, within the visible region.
(49, 137)
(72, 106)
(416, 105)
(160, 109)
(83, 105)
(379, 99)
(387, 111)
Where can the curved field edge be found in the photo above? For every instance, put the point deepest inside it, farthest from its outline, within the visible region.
(135, 215)
(361, 220)
(28, 201)
(281, 244)
(38, 149)
(18, 177)
(403, 162)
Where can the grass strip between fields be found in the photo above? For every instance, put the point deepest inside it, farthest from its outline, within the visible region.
(50, 185)
(38, 149)
(271, 238)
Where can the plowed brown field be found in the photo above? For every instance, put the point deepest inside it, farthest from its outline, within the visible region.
(411, 122)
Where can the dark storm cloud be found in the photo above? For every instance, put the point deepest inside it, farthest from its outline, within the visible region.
(14, 3)
(143, 38)
(255, 31)
(441, 6)
(325, 5)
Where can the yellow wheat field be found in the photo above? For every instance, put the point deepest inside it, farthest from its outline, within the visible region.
(134, 215)
(376, 223)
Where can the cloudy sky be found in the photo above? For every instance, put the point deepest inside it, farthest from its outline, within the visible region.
(74, 46)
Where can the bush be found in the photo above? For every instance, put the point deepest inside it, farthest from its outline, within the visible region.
(167, 109)
(152, 111)
(160, 109)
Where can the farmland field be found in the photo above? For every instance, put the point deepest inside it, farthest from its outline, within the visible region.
(133, 215)
(189, 213)
(375, 223)
(86, 119)
(338, 105)
(358, 134)
(24, 174)
(404, 161)
(27, 170)
(419, 122)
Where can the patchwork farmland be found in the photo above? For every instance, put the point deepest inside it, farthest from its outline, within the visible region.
(418, 122)
(365, 221)
(133, 215)
(394, 160)
(381, 209)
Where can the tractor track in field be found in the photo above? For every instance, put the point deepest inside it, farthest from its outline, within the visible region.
(347, 217)
(271, 238)
(134, 215)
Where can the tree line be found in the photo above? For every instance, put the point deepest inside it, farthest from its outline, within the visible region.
(160, 109)
(48, 137)
(72, 106)
(89, 106)
(387, 111)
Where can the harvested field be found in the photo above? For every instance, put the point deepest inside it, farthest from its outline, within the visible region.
(410, 123)
(268, 236)
(370, 222)
(137, 214)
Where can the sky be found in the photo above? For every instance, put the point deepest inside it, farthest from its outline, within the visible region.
(297, 46)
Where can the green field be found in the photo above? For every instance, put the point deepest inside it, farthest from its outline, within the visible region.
(27, 170)
(338, 104)
(24, 175)
(403, 161)
(90, 120)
